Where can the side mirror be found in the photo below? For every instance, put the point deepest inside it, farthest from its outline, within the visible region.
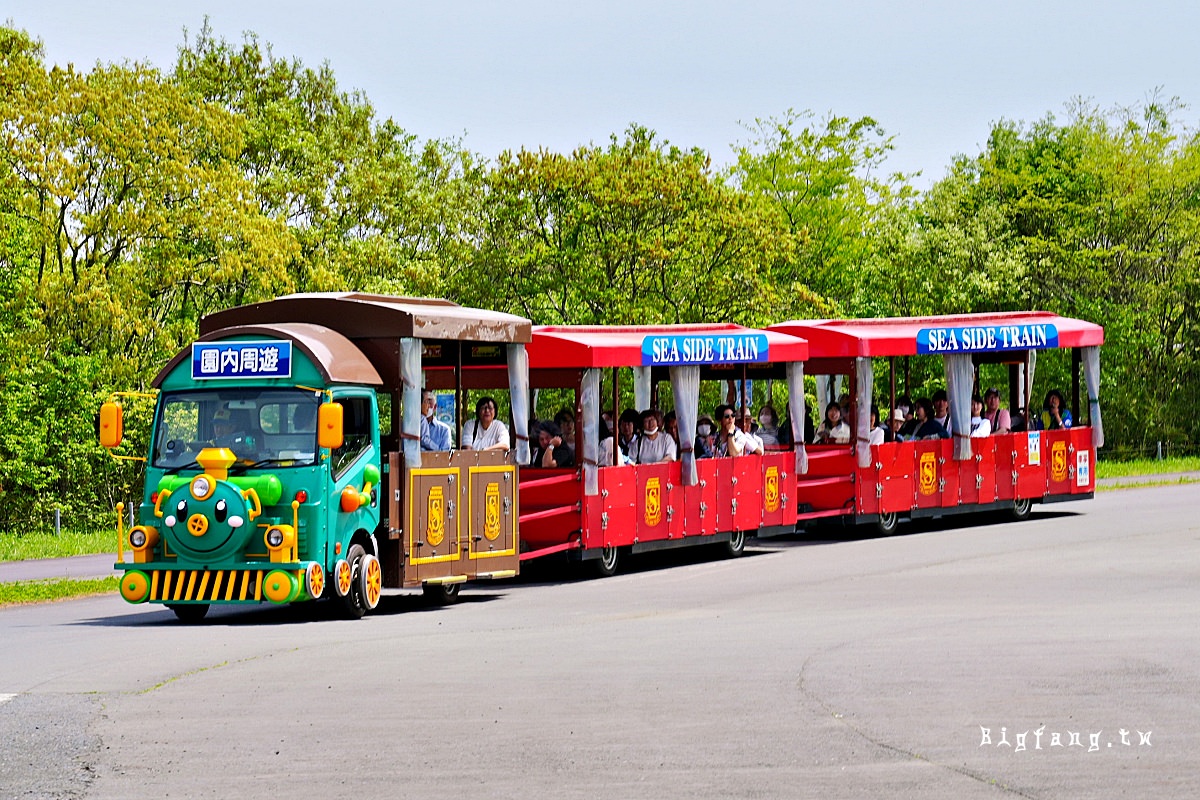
(112, 425)
(329, 425)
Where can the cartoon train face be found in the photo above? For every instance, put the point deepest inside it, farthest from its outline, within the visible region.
(207, 518)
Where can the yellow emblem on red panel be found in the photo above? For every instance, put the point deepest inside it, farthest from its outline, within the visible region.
(653, 501)
(491, 512)
(435, 522)
(1058, 461)
(771, 493)
(929, 480)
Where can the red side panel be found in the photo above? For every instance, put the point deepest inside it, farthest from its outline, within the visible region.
(1085, 461)
(1006, 444)
(748, 476)
(778, 489)
(1030, 464)
(1060, 465)
(929, 467)
(702, 500)
(618, 527)
(651, 501)
(828, 484)
(726, 494)
(897, 462)
(867, 488)
(949, 483)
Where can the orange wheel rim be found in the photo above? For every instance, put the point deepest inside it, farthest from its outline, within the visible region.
(316, 580)
(344, 576)
(374, 582)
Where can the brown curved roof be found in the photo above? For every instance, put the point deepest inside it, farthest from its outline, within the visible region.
(338, 359)
(371, 316)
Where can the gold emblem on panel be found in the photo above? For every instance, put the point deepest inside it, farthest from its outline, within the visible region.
(1058, 461)
(653, 501)
(771, 497)
(435, 521)
(928, 473)
(491, 512)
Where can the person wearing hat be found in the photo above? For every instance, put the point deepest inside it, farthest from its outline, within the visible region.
(229, 430)
(996, 416)
(895, 426)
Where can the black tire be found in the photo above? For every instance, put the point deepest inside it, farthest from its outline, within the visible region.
(887, 523)
(190, 613)
(352, 604)
(1021, 509)
(608, 563)
(441, 594)
(736, 544)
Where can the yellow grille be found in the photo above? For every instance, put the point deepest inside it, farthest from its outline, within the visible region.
(210, 586)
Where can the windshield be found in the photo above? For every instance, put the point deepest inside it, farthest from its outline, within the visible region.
(276, 427)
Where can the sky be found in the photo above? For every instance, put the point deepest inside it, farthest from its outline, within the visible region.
(560, 74)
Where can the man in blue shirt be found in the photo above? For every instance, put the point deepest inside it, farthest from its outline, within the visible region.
(435, 434)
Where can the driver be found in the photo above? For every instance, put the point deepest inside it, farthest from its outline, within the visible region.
(230, 431)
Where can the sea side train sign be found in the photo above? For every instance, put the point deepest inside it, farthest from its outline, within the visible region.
(708, 348)
(266, 359)
(987, 338)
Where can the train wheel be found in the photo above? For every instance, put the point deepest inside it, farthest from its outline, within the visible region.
(609, 561)
(370, 579)
(736, 544)
(192, 612)
(441, 594)
(352, 603)
(887, 523)
(1021, 508)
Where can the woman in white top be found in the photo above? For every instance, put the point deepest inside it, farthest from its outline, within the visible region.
(654, 445)
(485, 432)
(980, 425)
(768, 426)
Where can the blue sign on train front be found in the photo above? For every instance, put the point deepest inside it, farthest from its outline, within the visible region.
(704, 348)
(265, 359)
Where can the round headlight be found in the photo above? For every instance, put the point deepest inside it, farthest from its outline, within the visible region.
(274, 537)
(201, 488)
(137, 538)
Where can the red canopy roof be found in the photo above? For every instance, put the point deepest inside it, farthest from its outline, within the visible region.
(897, 336)
(584, 346)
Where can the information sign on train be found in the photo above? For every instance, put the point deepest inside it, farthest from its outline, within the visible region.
(692, 348)
(267, 359)
(987, 338)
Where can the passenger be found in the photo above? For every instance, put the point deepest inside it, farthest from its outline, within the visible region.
(911, 422)
(754, 443)
(304, 419)
(896, 426)
(671, 426)
(768, 426)
(435, 434)
(996, 416)
(627, 430)
(878, 432)
(653, 446)
(1055, 414)
(941, 409)
(706, 438)
(731, 441)
(844, 404)
(980, 426)
(833, 429)
(565, 420)
(607, 429)
(905, 404)
(551, 451)
(928, 427)
(485, 432)
(606, 453)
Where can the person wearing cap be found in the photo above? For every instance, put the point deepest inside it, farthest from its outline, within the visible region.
(896, 426)
(229, 431)
(941, 409)
(996, 416)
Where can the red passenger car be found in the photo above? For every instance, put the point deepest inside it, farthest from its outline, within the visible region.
(927, 478)
(600, 511)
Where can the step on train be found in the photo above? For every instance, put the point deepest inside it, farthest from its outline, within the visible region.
(290, 456)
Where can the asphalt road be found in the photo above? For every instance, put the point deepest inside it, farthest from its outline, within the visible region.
(982, 659)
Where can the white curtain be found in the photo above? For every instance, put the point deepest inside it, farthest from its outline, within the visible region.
(960, 379)
(1091, 376)
(590, 427)
(685, 385)
(797, 412)
(1030, 410)
(518, 390)
(862, 422)
(410, 400)
(822, 394)
(641, 388)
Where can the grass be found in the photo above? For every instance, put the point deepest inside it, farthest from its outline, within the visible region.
(56, 589)
(1146, 466)
(22, 547)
